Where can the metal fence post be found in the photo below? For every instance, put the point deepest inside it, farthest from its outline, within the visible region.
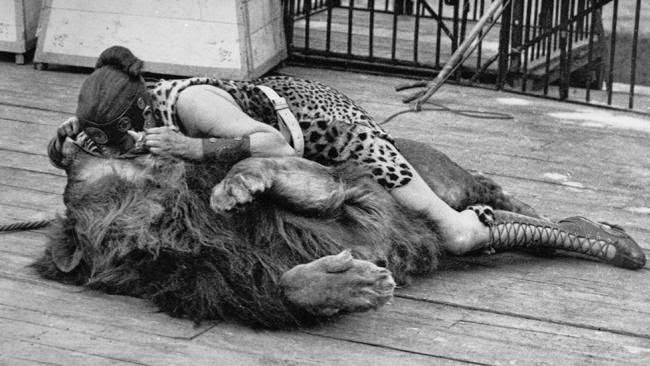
(517, 34)
(635, 44)
(612, 54)
(504, 45)
(564, 56)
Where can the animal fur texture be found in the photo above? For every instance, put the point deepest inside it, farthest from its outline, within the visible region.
(144, 227)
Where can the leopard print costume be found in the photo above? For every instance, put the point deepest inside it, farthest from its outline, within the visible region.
(335, 129)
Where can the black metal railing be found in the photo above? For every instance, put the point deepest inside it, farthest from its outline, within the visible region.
(562, 49)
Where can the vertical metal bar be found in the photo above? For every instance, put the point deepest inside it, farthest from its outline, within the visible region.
(371, 28)
(548, 25)
(612, 53)
(463, 28)
(394, 37)
(517, 31)
(454, 41)
(580, 27)
(307, 21)
(529, 7)
(439, 33)
(475, 8)
(290, 25)
(546, 17)
(571, 23)
(587, 18)
(416, 36)
(590, 52)
(536, 26)
(328, 29)
(635, 41)
(479, 51)
(571, 19)
(350, 17)
(504, 45)
(557, 22)
(563, 42)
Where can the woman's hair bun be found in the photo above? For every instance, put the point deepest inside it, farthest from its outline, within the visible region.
(122, 59)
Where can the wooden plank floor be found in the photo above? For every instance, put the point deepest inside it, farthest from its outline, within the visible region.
(503, 309)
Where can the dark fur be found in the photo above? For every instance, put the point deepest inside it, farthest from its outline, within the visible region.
(455, 185)
(158, 239)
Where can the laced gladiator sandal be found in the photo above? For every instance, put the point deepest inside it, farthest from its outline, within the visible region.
(609, 243)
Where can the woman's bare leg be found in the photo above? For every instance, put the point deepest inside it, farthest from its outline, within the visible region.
(463, 232)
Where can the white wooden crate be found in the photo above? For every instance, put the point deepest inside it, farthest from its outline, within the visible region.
(18, 23)
(238, 39)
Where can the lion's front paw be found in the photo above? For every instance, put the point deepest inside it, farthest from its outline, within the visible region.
(236, 190)
(337, 283)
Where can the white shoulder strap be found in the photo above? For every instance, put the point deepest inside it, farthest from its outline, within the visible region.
(286, 120)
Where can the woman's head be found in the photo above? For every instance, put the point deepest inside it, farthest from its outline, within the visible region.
(113, 98)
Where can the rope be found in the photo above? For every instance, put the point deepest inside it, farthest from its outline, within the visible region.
(25, 225)
(461, 112)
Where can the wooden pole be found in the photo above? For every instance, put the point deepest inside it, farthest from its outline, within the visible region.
(456, 57)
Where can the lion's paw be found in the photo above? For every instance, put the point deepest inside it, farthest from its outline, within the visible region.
(236, 190)
(338, 283)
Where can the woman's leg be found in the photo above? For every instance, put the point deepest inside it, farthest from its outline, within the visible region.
(463, 232)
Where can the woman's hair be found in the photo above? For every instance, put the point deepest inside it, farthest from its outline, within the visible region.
(110, 90)
(121, 59)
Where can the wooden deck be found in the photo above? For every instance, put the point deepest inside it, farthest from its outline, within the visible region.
(512, 309)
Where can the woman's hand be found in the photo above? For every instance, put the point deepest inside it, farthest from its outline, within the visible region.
(167, 141)
(69, 128)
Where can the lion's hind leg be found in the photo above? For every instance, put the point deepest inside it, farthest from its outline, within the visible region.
(338, 283)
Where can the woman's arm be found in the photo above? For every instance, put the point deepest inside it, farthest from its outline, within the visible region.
(205, 111)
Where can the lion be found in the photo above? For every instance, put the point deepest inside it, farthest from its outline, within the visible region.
(269, 242)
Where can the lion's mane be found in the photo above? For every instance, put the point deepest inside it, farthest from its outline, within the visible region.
(157, 238)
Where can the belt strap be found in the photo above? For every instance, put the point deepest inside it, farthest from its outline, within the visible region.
(286, 120)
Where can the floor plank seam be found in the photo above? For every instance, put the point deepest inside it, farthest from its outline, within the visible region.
(63, 316)
(601, 358)
(25, 121)
(30, 189)
(542, 181)
(36, 281)
(34, 361)
(20, 169)
(33, 107)
(524, 316)
(191, 338)
(44, 153)
(84, 353)
(371, 344)
(37, 207)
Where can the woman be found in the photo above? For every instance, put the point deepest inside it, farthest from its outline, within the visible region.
(204, 118)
